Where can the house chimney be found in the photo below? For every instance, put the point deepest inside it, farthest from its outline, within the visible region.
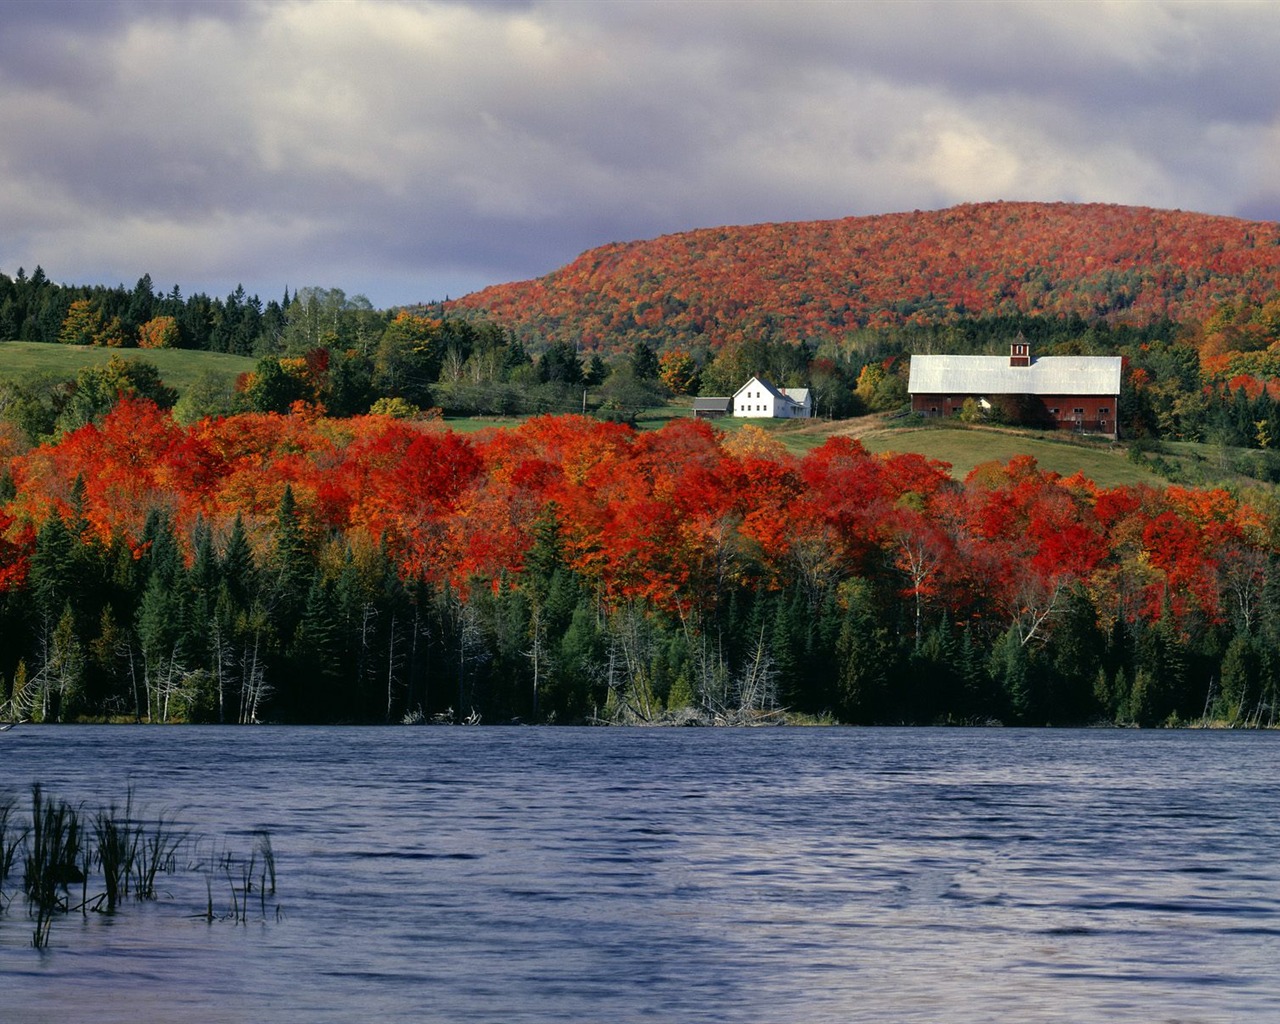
(1020, 351)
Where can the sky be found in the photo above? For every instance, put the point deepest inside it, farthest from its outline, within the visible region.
(411, 152)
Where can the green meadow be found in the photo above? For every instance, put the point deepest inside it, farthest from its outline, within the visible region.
(1104, 463)
(1107, 463)
(179, 368)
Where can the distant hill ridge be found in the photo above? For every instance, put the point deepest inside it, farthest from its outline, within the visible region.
(823, 279)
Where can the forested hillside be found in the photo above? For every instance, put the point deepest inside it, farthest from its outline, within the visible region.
(313, 545)
(820, 280)
(1191, 302)
(302, 568)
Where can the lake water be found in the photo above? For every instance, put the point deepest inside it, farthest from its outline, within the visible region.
(613, 875)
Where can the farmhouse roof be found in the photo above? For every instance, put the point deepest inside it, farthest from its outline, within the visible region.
(762, 383)
(992, 375)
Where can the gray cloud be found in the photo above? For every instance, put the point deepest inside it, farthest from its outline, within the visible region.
(414, 150)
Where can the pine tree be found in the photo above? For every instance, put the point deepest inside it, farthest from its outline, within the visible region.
(863, 652)
(63, 673)
(236, 567)
(52, 575)
(289, 567)
(1011, 668)
(1240, 695)
(315, 656)
(159, 634)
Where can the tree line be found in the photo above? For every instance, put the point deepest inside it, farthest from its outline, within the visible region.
(315, 569)
(1211, 381)
(321, 347)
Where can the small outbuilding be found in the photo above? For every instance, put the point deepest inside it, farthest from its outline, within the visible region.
(712, 408)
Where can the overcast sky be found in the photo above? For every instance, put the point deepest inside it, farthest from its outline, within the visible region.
(409, 151)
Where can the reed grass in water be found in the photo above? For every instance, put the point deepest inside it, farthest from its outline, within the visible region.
(52, 862)
(61, 847)
(11, 838)
(117, 851)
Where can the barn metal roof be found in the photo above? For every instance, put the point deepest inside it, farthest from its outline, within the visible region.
(992, 375)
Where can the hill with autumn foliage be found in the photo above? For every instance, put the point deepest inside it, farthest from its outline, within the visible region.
(821, 280)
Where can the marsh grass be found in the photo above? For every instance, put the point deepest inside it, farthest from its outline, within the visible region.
(268, 883)
(241, 876)
(62, 846)
(157, 851)
(53, 861)
(117, 852)
(11, 839)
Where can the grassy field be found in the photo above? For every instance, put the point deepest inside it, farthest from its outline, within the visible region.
(963, 449)
(648, 419)
(1105, 464)
(178, 368)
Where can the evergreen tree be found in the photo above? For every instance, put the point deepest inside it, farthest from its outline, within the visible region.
(289, 566)
(52, 578)
(315, 657)
(574, 691)
(62, 675)
(1011, 669)
(596, 372)
(160, 634)
(644, 362)
(1160, 657)
(560, 365)
(974, 700)
(865, 661)
(236, 567)
(1240, 695)
(1076, 649)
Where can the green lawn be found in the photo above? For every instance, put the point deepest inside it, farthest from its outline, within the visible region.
(474, 424)
(1105, 464)
(179, 368)
(646, 419)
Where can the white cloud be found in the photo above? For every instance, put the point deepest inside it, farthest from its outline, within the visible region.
(413, 149)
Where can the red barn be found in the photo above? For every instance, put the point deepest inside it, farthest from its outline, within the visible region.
(1080, 393)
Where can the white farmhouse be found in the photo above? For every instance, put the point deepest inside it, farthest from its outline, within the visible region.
(759, 399)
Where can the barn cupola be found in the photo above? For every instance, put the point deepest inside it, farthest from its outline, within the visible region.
(1020, 351)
